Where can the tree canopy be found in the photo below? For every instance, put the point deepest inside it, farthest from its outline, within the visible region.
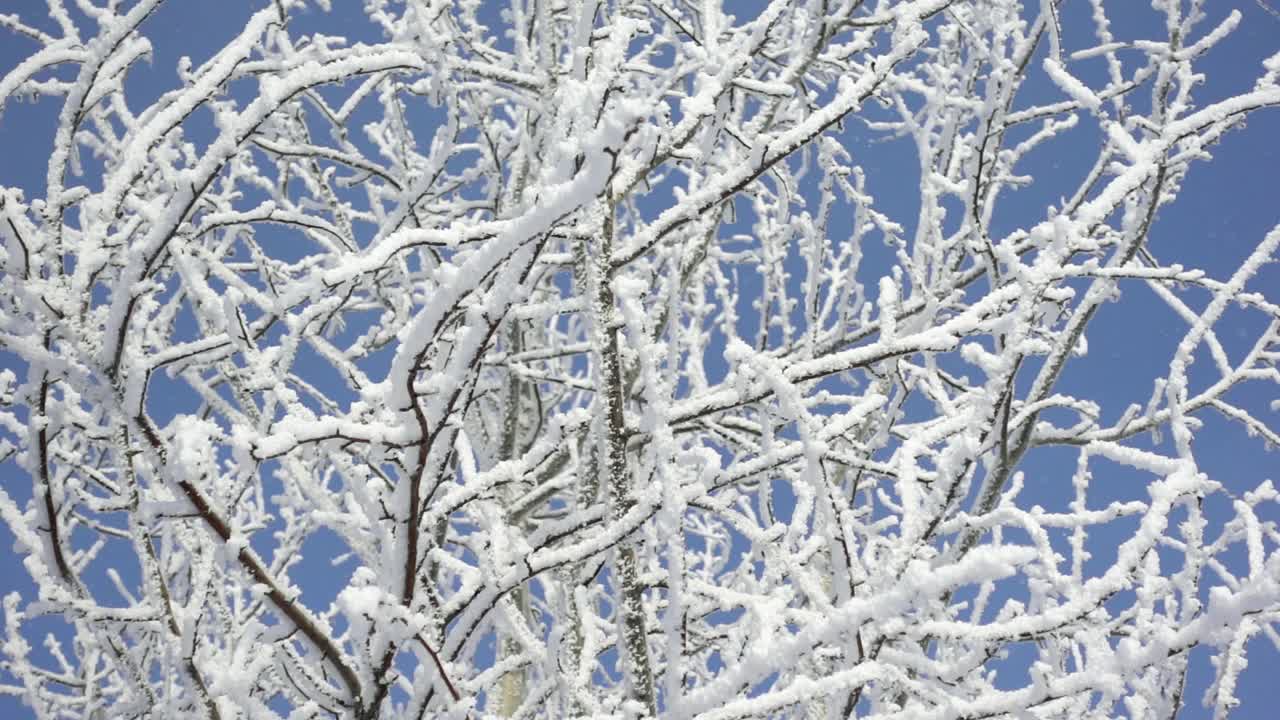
(614, 379)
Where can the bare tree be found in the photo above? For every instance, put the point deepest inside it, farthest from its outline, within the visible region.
(577, 326)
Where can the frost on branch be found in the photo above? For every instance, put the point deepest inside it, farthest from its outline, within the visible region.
(573, 360)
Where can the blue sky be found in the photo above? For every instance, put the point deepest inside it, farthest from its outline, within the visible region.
(1224, 209)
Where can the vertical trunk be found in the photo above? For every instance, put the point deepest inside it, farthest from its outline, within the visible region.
(511, 688)
(633, 637)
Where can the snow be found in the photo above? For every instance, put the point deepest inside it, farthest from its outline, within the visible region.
(580, 361)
